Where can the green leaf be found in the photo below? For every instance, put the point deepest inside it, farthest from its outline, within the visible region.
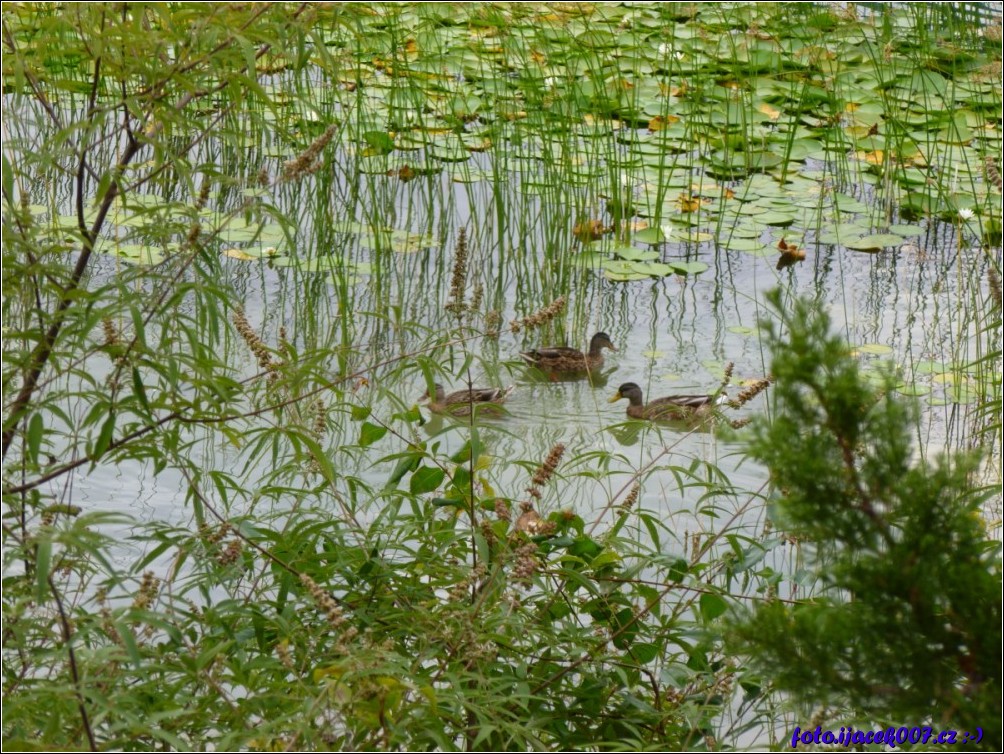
(471, 447)
(405, 464)
(140, 390)
(608, 557)
(426, 479)
(412, 415)
(448, 502)
(104, 436)
(644, 653)
(36, 429)
(379, 141)
(370, 433)
(8, 177)
(360, 412)
(585, 548)
(712, 606)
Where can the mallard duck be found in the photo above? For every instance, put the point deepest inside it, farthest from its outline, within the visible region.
(670, 408)
(460, 402)
(565, 359)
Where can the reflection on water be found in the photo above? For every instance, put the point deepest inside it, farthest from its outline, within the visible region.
(674, 336)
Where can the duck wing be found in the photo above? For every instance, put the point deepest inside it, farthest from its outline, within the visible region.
(691, 402)
(479, 395)
(674, 407)
(552, 353)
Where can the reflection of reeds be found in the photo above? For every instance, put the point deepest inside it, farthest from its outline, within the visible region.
(540, 317)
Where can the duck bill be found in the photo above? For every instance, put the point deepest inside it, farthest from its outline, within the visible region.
(614, 398)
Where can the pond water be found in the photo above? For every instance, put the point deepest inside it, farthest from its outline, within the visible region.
(904, 308)
(657, 167)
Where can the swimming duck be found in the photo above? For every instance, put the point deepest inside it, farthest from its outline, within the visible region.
(670, 408)
(460, 402)
(565, 359)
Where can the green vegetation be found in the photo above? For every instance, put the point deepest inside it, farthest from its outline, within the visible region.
(239, 241)
(908, 586)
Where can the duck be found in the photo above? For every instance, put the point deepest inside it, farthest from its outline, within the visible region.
(565, 359)
(461, 402)
(670, 408)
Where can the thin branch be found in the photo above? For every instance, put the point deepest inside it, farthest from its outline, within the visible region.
(64, 623)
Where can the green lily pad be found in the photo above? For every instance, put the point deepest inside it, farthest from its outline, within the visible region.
(688, 268)
(138, 254)
(913, 390)
(632, 254)
(874, 348)
(742, 244)
(930, 367)
(875, 242)
(253, 253)
(655, 269)
(624, 277)
(695, 237)
(776, 219)
(907, 231)
(650, 236)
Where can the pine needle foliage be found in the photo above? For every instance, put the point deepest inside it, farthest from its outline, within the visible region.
(904, 626)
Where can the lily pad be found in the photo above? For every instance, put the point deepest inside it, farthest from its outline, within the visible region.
(875, 242)
(907, 231)
(650, 236)
(873, 348)
(914, 390)
(742, 244)
(632, 254)
(624, 277)
(688, 268)
(252, 254)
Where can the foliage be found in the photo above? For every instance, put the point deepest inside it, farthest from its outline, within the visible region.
(226, 236)
(904, 624)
